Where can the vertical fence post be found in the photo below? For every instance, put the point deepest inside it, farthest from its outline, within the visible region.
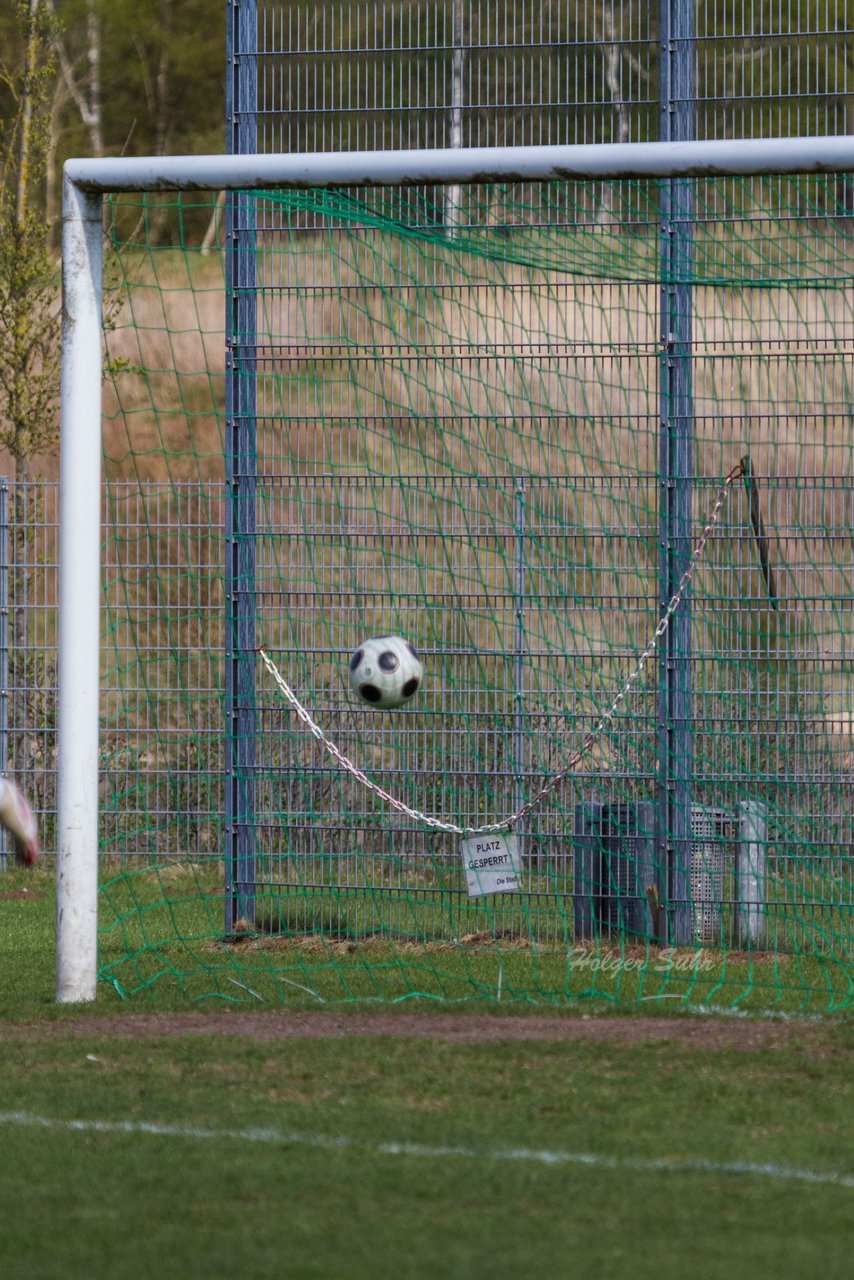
(520, 589)
(676, 430)
(241, 477)
(4, 646)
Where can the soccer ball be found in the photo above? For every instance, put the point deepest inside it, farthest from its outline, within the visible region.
(386, 672)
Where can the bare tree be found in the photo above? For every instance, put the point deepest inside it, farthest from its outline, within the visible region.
(161, 83)
(612, 55)
(86, 96)
(29, 291)
(29, 369)
(69, 87)
(453, 194)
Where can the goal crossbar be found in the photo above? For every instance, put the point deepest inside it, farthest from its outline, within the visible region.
(85, 183)
(464, 165)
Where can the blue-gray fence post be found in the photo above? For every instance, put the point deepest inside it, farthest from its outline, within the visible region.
(520, 588)
(4, 646)
(241, 476)
(676, 431)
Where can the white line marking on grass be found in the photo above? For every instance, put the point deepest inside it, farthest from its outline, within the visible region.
(534, 1155)
(758, 1015)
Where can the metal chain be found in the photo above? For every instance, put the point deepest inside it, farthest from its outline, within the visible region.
(580, 751)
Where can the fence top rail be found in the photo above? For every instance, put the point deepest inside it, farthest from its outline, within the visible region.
(464, 164)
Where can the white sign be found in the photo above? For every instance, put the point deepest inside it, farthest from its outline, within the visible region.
(492, 863)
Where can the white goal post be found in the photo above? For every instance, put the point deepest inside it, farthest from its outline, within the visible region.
(86, 181)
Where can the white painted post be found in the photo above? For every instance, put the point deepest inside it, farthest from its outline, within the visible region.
(79, 597)
(751, 871)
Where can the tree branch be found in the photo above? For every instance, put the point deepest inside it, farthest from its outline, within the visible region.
(89, 110)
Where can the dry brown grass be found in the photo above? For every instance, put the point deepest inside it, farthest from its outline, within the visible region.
(165, 399)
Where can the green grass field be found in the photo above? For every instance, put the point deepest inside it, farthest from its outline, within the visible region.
(161, 932)
(201, 1142)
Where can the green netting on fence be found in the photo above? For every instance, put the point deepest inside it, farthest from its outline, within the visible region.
(456, 436)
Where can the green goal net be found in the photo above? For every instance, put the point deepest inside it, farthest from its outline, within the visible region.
(458, 437)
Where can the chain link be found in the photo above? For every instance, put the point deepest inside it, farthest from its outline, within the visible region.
(577, 755)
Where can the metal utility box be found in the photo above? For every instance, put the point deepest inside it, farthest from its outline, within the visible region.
(699, 912)
(714, 891)
(614, 863)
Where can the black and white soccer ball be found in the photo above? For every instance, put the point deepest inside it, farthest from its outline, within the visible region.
(386, 672)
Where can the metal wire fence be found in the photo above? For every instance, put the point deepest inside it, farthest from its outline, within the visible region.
(356, 76)
(28, 637)
(452, 74)
(162, 629)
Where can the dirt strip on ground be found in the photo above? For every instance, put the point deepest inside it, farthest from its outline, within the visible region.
(706, 1032)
